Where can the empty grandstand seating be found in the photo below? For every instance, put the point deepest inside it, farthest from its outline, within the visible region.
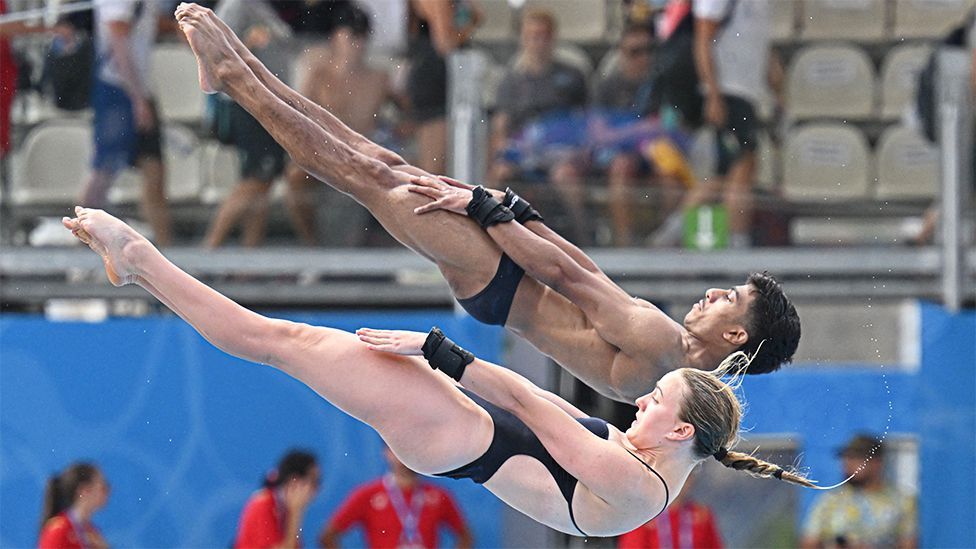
(831, 81)
(826, 161)
(52, 164)
(175, 84)
(858, 20)
(908, 165)
(578, 20)
(928, 18)
(498, 23)
(899, 78)
(782, 15)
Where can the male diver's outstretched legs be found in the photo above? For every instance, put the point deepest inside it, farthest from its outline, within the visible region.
(465, 255)
(418, 411)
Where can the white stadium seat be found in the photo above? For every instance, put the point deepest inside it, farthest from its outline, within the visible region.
(221, 171)
(782, 15)
(928, 18)
(578, 20)
(53, 164)
(181, 162)
(908, 165)
(830, 81)
(826, 161)
(858, 20)
(175, 84)
(899, 78)
(498, 24)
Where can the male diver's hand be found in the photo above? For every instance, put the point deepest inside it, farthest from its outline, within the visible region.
(442, 195)
(399, 342)
(499, 195)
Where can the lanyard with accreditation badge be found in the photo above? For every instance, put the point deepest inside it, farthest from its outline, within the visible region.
(409, 515)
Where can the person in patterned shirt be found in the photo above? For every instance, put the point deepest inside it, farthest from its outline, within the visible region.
(865, 512)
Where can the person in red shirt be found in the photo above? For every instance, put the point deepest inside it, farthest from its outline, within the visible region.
(398, 510)
(273, 516)
(686, 524)
(71, 498)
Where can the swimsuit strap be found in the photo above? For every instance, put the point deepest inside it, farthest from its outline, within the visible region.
(573, 518)
(658, 475)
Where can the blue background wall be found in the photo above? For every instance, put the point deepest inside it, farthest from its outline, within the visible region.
(183, 432)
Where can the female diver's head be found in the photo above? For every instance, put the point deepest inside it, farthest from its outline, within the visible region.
(698, 412)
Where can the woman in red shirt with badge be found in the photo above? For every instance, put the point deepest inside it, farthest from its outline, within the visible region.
(273, 516)
(71, 498)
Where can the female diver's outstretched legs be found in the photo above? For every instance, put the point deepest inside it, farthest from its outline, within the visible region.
(431, 425)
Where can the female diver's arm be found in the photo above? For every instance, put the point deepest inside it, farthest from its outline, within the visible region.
(587, 457)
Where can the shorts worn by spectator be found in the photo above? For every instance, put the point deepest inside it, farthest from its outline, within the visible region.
(127, 126)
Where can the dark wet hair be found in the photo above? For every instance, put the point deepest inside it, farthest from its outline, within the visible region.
(771, 322)
(353, 18)
(294, 464)
(63, 487)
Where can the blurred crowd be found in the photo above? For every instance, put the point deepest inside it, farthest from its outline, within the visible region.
(613, 156)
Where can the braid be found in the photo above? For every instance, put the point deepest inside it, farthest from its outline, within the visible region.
(762, 469)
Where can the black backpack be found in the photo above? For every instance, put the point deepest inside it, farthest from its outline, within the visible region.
(67, 74)
(673, 82)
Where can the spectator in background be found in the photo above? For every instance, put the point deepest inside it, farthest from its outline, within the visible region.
(127, 128)
(540, 89)
(437, 28)
(339, 78)
(398, 510)
(865, 512)
(686, 524)
(732, 55)
(70, 500)
(261, 158)
(274, 514)
(650, 156)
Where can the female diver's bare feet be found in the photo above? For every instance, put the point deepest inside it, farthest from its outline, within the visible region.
(117, 243)
(216, 60)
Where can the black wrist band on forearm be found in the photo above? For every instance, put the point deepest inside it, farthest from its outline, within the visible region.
(523, 210)
(445, 355)
(486, 210)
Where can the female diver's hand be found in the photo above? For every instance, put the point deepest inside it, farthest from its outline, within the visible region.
(399, 342)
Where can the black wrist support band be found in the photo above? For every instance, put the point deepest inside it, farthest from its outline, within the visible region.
(486, 210)
(444, 355)
(523, 210)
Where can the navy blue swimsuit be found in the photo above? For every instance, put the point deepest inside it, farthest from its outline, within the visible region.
(513, 437)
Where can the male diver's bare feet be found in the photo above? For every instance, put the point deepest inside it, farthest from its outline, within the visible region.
(216, 60)
(117, 243)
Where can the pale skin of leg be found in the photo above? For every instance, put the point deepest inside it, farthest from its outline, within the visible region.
(738, 194)
(300, 200)
(322, 145)
(154, 207)
(430, 425)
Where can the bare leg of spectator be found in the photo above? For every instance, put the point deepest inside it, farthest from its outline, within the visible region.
(238, 203)
(300, 201)
(94, 193)
(567, 179)
(255, 226)
(155, 208)
(621, 177)
(739, 200)
(432, 145)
